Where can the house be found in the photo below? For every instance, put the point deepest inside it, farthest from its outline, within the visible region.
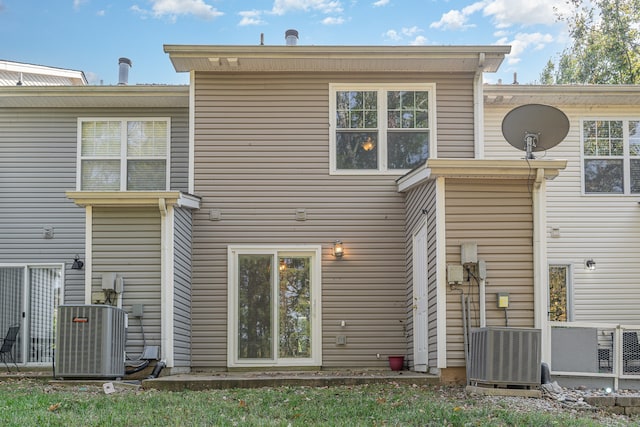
(296, 207)
(94, 182)
(591, 229)
(301, 153)
(22, 74)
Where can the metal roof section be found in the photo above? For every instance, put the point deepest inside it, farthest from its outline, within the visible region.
(297, 58)
(94, 96)
(595, 95)
(22, 74)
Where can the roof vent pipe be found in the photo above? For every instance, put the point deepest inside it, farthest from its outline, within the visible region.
(291, 36)
(123, 74)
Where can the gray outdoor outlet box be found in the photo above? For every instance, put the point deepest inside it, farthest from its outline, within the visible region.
(137, 310)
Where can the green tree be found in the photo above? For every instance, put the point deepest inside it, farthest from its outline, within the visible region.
(606, 44)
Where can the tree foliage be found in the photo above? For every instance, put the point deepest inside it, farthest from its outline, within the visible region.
(606, 44)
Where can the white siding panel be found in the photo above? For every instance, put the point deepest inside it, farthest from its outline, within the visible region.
(605, 228)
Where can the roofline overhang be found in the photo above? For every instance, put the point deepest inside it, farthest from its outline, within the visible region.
(134, 199)
(484, 58)
(23, 67)
(562, 94)
(481, 169)
(95, 96)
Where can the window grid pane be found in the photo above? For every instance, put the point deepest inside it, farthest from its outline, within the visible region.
(100, 175)
(100, 139)
(603, 176)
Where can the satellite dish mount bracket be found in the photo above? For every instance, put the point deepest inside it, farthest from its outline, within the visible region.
(531, 142)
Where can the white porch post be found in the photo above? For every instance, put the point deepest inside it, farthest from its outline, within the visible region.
(540, 276)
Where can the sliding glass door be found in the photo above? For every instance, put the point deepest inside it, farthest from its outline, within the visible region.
(274, 315)
(29, 298)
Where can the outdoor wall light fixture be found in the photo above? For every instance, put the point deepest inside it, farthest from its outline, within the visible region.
(338, 249)
(77, 264)
(590, 265)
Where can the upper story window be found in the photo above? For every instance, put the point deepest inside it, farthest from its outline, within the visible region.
(123, 154)
(380, 129)
(611, 156)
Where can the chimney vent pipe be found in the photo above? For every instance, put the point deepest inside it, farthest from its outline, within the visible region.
(123, 74)
(291, 36)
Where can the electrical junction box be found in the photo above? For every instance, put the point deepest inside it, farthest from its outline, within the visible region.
(469, 253)
(503, 300)
(455, 274)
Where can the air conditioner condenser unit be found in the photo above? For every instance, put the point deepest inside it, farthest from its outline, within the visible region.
(90, 341)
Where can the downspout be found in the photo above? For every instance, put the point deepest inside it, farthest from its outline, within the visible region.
(478, 110)
(192, 132)
(478, 137)
(166, 281)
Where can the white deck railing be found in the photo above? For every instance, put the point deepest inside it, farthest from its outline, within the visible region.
(595, 350)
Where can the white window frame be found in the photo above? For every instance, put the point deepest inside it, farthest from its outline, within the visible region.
(381, 89)
(626, 157)
(315, 251)
(123, 148)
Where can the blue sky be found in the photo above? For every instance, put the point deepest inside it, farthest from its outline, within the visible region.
(90, 35)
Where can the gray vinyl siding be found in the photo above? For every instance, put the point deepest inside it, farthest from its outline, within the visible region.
(182, 287)
(38, 151)
(127, 242)
(37, 166)
(498, 217)
(423, 197)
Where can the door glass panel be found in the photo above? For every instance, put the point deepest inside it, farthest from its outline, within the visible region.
(295, 307)
(44, 289)
(558, 295)
(255, 284)
(11, 303)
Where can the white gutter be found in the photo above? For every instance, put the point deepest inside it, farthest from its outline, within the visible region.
(478, 110)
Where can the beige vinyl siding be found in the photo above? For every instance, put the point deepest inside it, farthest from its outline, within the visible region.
(498, 217)
(38, 155)
(423, 197)
(262, 151)
(126, 241)
(603, 227)
(182, 287)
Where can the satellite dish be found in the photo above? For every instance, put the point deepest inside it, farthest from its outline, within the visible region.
(535, 127)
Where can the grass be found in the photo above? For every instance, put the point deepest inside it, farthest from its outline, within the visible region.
(31, 402)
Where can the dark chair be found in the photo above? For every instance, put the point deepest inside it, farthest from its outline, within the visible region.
(630, 352)
(7, 346)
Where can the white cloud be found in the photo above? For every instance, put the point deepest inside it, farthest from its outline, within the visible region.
(411, 31)
(330, 20)
(175, 8)
(381, 3)
(458, 19)
(251, 17)
(504, 13)
(419, 41)
(280, 7)
(524, 42)
(392, 35)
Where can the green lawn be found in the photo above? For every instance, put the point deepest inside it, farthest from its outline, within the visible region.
(36, 403)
